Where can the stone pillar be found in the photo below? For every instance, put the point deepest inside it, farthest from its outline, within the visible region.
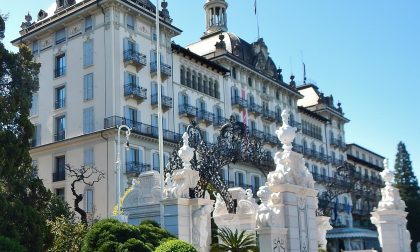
(390, 217)
(289, 200)
(323, 225)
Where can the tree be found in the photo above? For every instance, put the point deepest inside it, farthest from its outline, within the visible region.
(87, 175)
(407, 183)
(405, 180)
(68, 235)
(234, 241)
(175, 245)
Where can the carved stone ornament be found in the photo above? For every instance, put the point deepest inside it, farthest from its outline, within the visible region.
(200, 229)
(290, 166)
(391, 199)
(323, 225)
(75, 29)
(47, 42)
(265, 214)
(186, 153)
(144, 189)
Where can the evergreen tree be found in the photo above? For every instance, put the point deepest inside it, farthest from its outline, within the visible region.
(405, 180)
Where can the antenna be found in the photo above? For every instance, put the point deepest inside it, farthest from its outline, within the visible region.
(258, 21)
(304, 67)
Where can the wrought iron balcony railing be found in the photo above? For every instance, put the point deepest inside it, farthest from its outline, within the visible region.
(205, 116)
(134, 91)
(187, 110)
(141, 128)
(135, 58)
(256, 133)
(165, 70)
(269, 115)
(135, 167)
(59, 176)
(338, 143)
(59, 135)
(219, 121)
(59, 71)
(255, 109)
(166, 101)
(239, 102)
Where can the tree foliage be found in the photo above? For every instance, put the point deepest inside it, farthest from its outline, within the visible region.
(175, 245)
(405, 180)
(68, 235)
(7, 244)
(234, 241)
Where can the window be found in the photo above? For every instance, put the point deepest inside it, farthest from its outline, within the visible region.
(200, 83)
(249, 81)
(34, 105)
(88, 23)
(60, 97)
(194, 80)
(188, 77)
(60, 36)
(363, 156)
(234, 73)
(182, 128)
(256, 183)
(89, 201)
(357, 154)
(131, 115)
(36, 137)
(88, 120)
(60, 128)
(182, 73)
(59, 169)
(88, 87)
(223, 175)
(264, 88)
(155, 158)
(130, 22)
(35, 47)
(239, 178)
(88, 53)
(88, 156)
(60, 193)
(315, 169)
(277, 95)
(60, 65)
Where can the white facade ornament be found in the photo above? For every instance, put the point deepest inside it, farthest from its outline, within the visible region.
(290, 166)
(200, 229)
(264, 212)
(390, 216)
(186, 153)
(323, 225)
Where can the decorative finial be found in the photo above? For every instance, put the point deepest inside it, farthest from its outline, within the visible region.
(286, 133)
(28, 17)
(386, 174)
(292, 81)
(186, 153)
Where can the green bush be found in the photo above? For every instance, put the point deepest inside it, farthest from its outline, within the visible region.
(7, 244)
(110, 235)
(151, 222)
(152, 235)
(175, 245)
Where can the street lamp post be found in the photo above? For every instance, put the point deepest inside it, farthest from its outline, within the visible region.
(118, 164)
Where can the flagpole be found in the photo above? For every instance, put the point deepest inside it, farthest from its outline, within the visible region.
(258, 21)
(160, 128)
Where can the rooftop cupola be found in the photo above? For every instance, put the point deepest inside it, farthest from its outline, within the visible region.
(216, 17)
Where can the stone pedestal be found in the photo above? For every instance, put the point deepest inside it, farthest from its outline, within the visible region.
(390, 217)
(244, 218)
(189, 220)
(273, 239)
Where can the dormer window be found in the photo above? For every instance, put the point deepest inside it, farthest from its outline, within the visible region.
(60, 36)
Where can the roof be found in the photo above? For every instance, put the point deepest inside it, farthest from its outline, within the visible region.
(186, 52)
(363, 148)
(363, 162)
(351, 233)
(312, 114)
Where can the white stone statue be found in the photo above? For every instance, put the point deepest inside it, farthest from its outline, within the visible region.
(323, 225)
(391, 199)
(186, 153)
(264, 213)
(200, 230)
(219, 206)
(246, 203)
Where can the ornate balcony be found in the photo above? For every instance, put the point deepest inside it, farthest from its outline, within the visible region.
(141, 128)
(165, 70)
(297, 148)
(255, 109)
(59, 135)
(132, 57)
(256, 133)
(205, 117)
(279, 120)
(239, 102)
(338, 143)
(134, 91)
(269, 115)
(219, 121)
(59, 176)
(271, 139)
(135, 167)
(187, 110)
(296, 124)
(166, 102)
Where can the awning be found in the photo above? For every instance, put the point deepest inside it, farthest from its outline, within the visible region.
(351, 233)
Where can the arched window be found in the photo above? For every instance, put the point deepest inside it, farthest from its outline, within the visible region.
(305, 145)
(251, 99)
(211, 87)
(205, 84)
(216, 90)
(182, 73)
(188, 77)
(199, 82)
(249, 81)
(194, 80)
(313, 147)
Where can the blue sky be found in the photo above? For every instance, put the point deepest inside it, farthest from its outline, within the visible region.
(365, 53)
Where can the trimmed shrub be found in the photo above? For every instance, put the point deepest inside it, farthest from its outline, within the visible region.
(7, 244)
(153, 235)
(175, 245)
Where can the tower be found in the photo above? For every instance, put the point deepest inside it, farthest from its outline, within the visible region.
(216, 18)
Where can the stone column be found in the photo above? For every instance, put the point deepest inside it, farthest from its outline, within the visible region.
(289, 200)
(390, 217)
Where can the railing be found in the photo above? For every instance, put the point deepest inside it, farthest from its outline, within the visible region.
(219, 121)
(269, 115)
(338, 143)
(60, 103)
(297, 148)
(279, 120)
(188, 110)
(59, 71)
(136, 167)
(256, 133)
(135, 57)
(271, 139)
(296, 124)
(141, 128)
(60, 135)
(205, 116)
(166, 100)
(255, 108)
(165, 69)
(136, 91)
(59, 176)
(238, 101)
(231, 184)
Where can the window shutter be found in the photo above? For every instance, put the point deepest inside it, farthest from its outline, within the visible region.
(141, 159)
(126, 78)
(152, 56)
(125, 44)
(137, 47)
(165, 123)
(154, 88)
(38, 134)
